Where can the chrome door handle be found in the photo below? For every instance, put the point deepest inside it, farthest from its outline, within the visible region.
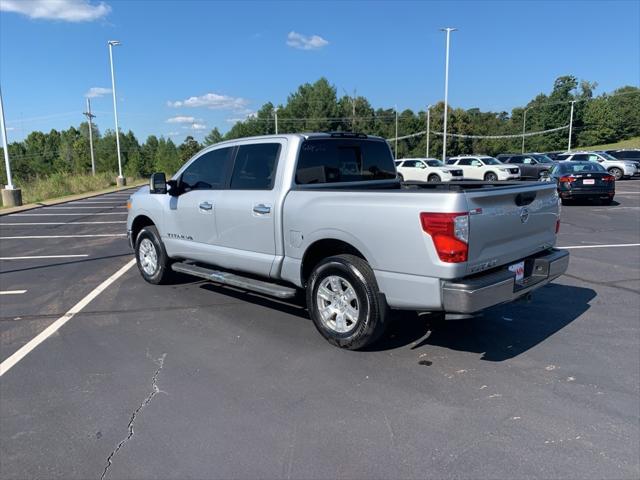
(262, 209)
(205, 206)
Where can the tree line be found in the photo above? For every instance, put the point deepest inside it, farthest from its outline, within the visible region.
(316, 107)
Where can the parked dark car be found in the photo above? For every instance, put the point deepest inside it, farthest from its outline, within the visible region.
(532, 165)
(629, 155)
(583, 181)
(554, 155)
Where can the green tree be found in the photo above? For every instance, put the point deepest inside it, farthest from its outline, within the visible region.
(188, 148)
(214, 137)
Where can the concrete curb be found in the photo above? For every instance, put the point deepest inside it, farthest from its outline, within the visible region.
(68, 198)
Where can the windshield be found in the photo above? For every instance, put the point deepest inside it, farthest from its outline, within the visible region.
(542, 158)
(606, 156)
(435, 163)
(490, 161)
(581, 167)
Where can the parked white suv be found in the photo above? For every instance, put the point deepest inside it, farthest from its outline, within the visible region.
(483, 167)
(427, 170)
(618, 168)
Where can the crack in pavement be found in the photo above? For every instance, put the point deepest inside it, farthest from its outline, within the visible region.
(154, 392)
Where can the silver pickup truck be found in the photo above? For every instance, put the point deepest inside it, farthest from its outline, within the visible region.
(325, 213)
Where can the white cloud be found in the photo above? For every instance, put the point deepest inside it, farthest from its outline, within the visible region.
(10, 129)
(64, 10)
(247, 115)
(198, 126)
(181, 119)
(304, 42)
(95, 92)
(173, 134)
(213, 101)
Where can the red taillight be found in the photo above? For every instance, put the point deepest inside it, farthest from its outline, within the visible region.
(450, 234)
(558, 225)
(568, 179)
(608, 178)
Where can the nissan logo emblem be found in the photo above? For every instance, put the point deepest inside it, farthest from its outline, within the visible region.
(524, 215)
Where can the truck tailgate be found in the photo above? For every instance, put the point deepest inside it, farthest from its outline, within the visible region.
(508, 224)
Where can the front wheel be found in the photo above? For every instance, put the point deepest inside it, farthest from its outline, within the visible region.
(151, 257)
(344, 302)
(616, 172)
(433, 178)
(491, 177)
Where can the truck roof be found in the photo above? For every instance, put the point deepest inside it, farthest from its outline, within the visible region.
(306, 136)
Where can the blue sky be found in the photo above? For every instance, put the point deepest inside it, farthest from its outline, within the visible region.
(233, 57)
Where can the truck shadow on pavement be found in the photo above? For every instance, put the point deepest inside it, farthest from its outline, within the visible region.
(506, 331)
(499, 334)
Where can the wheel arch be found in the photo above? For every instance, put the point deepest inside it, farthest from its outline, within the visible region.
(139, 222)
(321, 249)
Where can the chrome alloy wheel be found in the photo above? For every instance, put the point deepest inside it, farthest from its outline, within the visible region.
(337, 304)
(148, 256)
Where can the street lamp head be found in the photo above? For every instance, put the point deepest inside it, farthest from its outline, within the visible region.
(448, 29)
(114, 43)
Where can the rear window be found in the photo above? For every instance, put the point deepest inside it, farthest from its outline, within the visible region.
(580, 167)
(329, 160)
(255, 166)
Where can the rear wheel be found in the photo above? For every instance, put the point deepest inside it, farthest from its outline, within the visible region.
(151, 257)
(433, 178)
(616, 172)
(344, 302)
(490, 177)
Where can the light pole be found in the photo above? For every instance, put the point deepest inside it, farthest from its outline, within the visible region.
(524, 125)
(90, 116)
(446, 93)
(396, 146)
(571, 125)
(11, 197)
(120, 181)
(275, 114)
(428, 127)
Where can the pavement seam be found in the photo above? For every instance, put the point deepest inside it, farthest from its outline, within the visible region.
(155, 390)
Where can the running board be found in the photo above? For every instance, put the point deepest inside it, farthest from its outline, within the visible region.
(233, 280)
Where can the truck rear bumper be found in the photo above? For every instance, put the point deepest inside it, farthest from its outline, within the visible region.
(472, 294)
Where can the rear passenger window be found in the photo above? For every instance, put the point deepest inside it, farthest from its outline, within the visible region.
(329, 160)
(465, 162)
(208, 172)
(580, 156)
(255, 166)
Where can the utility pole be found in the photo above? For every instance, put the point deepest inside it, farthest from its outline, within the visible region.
(396, 147)
(428, 127)
(571, 125)
(353, 111)
(120, 181)
(90, 116)
(524, 125)
(448, 30)
(275, 114)
(11, 197)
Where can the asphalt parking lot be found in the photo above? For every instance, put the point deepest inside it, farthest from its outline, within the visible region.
(194, 380)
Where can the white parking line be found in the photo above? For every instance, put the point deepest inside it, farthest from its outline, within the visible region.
(12, 292)
(39, 257)
(62, 223)
(122, 206)
(57, 214)
(615, 245)
(25, 237)
(10, 362)
(98, 203)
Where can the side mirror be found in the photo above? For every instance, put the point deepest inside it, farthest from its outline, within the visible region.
(158, 183)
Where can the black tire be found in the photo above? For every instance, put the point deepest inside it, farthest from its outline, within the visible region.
(567, 201)
(617, 173)
(433, 178)
(372, 310)
(607, 201)
(162, 273)
(490, 177)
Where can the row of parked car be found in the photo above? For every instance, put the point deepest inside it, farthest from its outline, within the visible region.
(511, 166)
(579, 175)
